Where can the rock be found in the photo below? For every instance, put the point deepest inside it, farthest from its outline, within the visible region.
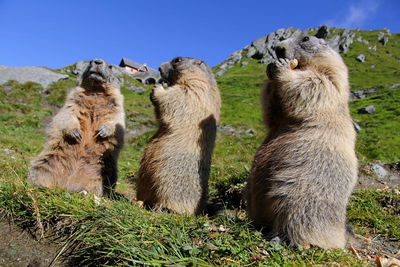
(392, 86)
(80, 67)
(251, 52)
(259, 45)
(382, 38)
(136, 89)
(362, 93)
(372, 48)
(367, 110)
(235, 57)
(346, 40)
(379, 170)
(287, 33)
(250, 131)
(373, 66)
(228, 130)
(323, 32)
(361, 58)
(220, 73)
(334, 42)
(229, 62)
(244, 64)
(39, 75)
(137, 131)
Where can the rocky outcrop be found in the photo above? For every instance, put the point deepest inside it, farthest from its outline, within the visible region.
(262, 48)
(229, 63)
(39, 75)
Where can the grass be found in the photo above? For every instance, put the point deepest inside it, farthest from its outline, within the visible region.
(117, 233)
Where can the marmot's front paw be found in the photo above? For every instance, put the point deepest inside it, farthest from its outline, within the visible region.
(104, 131)
(74, 134)
(280, 65)
(156, 91)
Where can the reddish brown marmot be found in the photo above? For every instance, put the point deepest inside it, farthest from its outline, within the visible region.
(85, 137)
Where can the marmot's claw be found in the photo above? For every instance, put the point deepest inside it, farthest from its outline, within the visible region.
(104, 131)
(74, 134)
(283, 63)
(279, 65)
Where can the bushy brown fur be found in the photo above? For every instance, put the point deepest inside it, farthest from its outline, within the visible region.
(304, 172)
(175, 167)
(85, 137)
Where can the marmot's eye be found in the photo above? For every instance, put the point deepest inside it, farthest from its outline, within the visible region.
(176, 60)
(305, 39)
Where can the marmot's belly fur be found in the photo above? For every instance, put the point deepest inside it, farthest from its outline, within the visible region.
(79, 166)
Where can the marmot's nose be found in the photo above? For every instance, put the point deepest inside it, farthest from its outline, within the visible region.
(280, 51)
(98, 61)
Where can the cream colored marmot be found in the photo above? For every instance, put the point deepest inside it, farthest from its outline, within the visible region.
(304, 172)
(85, 137)
(175, 167)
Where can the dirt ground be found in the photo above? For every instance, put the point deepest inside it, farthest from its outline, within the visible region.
(19, 247)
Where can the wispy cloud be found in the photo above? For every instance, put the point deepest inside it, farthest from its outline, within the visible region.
(356, 14)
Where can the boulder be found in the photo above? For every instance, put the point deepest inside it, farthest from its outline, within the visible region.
(381, 38)
(323, 32)
(39, 75)
(392, 86)
(384, 40)
(334, 42)
(361, 58)
(367, 110)
(362, 93)
(379, 170)
(244, 64)
(251, 52)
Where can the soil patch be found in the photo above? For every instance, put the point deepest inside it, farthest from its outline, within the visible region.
(20, 247)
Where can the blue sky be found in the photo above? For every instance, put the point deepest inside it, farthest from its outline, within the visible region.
(59, 33)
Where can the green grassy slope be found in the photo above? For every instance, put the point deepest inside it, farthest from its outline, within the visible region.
(118, 233)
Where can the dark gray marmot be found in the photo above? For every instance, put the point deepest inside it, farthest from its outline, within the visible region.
(304, 172)
(176, 163)
(85, 137)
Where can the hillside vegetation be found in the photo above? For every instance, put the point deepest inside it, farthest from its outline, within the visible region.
(117, 232)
